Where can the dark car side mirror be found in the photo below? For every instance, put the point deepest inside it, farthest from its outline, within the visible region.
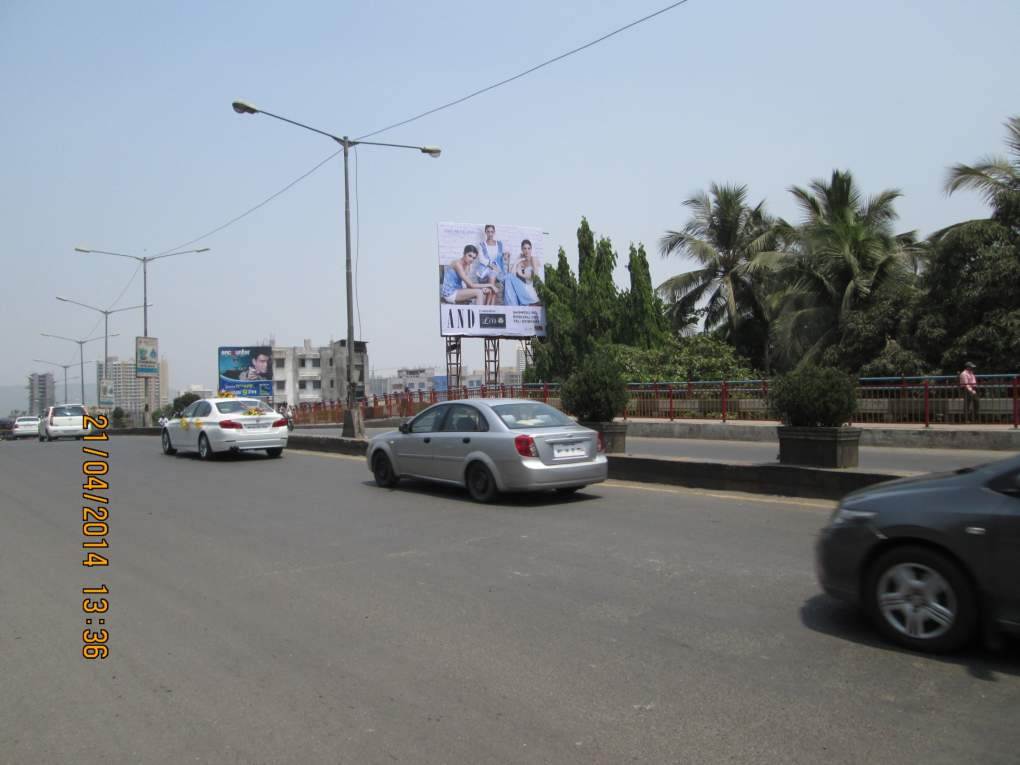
(404, 427)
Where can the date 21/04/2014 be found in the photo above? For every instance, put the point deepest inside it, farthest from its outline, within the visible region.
(95, 528)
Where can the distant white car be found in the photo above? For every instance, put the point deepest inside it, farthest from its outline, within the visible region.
(25, 427)
(212, 425)
(64, 421)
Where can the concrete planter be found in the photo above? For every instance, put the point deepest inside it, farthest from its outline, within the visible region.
(819, 447)
(614, 434)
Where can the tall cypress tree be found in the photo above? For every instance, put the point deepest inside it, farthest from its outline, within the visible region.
(643, 320)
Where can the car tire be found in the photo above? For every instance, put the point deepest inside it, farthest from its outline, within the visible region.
(276, 451)
(480, 483)
(168, 448)
(567, 491)
(382, 469)
(921, 599)
(41, 439)
(205, 451)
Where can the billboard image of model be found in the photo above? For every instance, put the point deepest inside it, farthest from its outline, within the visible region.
(486, 280)
(146, 357)
(246, 370)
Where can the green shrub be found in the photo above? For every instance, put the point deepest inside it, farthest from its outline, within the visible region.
(596, 391)
(814, 396)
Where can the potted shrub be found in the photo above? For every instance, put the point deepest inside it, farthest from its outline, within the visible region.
(814, 405)
(595, 393)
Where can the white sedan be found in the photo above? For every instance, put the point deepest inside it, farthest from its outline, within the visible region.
(212, 425)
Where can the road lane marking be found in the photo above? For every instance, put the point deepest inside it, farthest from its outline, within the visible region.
(614, 484)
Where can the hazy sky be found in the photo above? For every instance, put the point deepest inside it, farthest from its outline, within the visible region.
(118, 135)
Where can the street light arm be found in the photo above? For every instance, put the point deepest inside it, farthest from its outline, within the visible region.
(105, 252)
(83, 305)
(432, 151)
(171, 254)
(246, 109)
(129, 308)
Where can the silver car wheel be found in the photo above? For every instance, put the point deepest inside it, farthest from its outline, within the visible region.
(916, 601)
(204, 450)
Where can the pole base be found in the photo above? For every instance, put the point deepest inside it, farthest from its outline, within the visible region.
(354, 426)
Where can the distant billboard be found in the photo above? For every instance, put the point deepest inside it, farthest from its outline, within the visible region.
(106, 393)
(146, 357)
(486, 280)
(246, 370)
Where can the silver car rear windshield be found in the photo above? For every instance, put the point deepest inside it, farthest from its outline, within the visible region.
(531, 415)
(240, 405)
(68, 411)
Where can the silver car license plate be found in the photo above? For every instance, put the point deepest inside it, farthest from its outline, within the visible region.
(257, 425)
(568, 450)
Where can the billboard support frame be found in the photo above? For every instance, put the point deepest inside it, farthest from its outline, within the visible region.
(453, 364)
(492, 360)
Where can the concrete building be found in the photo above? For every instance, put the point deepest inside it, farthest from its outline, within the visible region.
(308, 374)
(129, 391)
(41, 393)
(407, 379)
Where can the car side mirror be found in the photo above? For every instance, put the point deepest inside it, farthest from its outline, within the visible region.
(404, 427)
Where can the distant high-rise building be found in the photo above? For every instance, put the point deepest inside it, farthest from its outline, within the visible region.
(41, 393)
(129, 391)
(522, 360)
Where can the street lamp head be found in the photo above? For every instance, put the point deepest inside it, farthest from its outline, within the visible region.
(242, 107)
(432, 151)
(204, 249)
(81, 249)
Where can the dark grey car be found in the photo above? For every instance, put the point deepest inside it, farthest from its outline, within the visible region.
(930, 558)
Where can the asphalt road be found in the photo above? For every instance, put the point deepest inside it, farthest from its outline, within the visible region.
(288, 611)
(879, 459)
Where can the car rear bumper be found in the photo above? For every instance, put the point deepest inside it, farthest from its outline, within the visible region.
(534, 475)
(65, 431)
(241, 441)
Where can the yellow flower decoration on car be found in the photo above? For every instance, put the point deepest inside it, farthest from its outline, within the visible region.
(253, 411)
(185, 424)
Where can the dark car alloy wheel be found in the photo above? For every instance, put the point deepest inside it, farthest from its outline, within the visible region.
(167, 446)
(480, 483)
(921, 599)
(382, 469)
(204, 450)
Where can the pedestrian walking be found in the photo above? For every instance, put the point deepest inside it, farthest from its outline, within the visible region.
(968, 383)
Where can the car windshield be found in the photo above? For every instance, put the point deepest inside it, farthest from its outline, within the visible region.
(241, 405)
(529, 414)
(68, 411)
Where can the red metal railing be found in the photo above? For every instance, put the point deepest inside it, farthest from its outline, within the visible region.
(909, 400)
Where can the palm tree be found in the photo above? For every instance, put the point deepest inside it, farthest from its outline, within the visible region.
(841, 254)
(723, 236)
(992, 176)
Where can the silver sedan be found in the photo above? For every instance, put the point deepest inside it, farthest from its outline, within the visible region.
(489, 446)
(212, 425)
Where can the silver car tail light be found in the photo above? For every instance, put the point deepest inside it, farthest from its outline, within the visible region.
(525, 446)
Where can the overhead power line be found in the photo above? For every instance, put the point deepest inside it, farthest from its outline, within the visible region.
(525, 73)
(409, 120)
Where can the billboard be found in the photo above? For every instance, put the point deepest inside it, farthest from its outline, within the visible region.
(106, 393)
(146, 357)
(246, 370)
(486, 280)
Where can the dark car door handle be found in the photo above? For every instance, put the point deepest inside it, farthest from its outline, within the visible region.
(427, 440)
(467, 440)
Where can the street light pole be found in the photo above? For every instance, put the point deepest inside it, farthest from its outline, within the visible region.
(144, 260)
(81, 356)
(353, 426)
(106, 328)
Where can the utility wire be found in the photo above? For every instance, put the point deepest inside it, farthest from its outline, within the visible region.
(525, 73)
(250, 210)
(461, 100)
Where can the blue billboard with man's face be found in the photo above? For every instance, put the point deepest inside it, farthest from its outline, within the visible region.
(246, 370)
